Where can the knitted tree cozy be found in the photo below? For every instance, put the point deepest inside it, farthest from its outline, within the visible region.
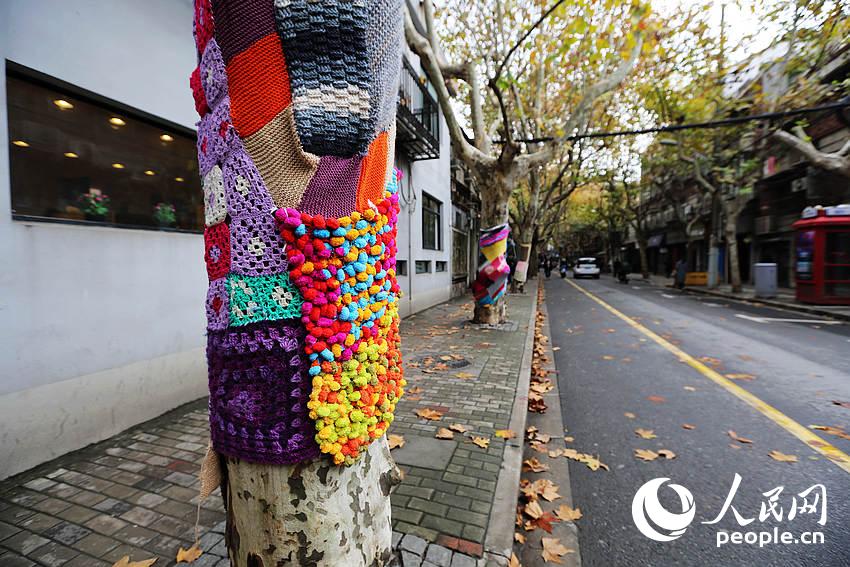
(295, 145)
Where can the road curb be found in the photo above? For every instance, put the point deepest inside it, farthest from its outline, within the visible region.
(498, 543)
(770, 303)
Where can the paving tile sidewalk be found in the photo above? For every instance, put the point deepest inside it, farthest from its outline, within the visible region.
(136, 493)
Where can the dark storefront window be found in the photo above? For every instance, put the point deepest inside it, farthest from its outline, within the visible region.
(76, 157)
(431, 210)
(837, 264)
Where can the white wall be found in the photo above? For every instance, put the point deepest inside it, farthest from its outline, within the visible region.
(100, 328)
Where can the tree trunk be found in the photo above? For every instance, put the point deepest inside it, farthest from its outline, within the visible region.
(644, 261)
(494, 211)
(315, 513)
(731, 235)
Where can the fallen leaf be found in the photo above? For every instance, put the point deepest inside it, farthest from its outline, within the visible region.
(657, 399)
(505, 433)
(645, 433)
(553, 550)
(837, 431)
(539, 447)
(125, 562)
(430, 414)
(607, 357)
(460, 428)
(667, 454)
(445, 357)
(533, 510)
(690, 388)
(593, 463)
(646, 454)
(688, 426)
(842, 404)
(740, 376)
(534, 465)
(443, 433)
(569, 439)
(188, 555)
(630, 415)
(464, 375)
(414, 390)
(738, 438)
(395, 441)
(782, 457)
(610, 330)
(567, 514)
(711, 361)
(514, 561)
(482, 442)
(557, 348)
(542, 437)
(519, 538)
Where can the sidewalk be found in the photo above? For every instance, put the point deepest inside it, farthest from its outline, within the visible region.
(784, 299)
(136, 493)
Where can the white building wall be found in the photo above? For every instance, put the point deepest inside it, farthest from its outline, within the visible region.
(100, 328)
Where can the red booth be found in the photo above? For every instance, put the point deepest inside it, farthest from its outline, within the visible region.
(823, 255)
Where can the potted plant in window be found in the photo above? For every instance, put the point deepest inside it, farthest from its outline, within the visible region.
(165, 214)
(95, 204)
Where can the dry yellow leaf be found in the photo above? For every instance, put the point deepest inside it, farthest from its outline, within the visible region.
(443, 433)
(188, 555)
(837, 431)
(514, 561)
(782, 457)
(688, 426)
(539, 447)
(505, 433)
(607, 357)
(630, 415)
(567, 514)
(690, 388)
(464, 375)
(125, 562)
(667, 454)
(593, 463)
(534, 465)
(428, 413)
(645, 433)
(738, 438)
(482, 442)
(460, 428)
(542, 437)
(553, 550)
(533, 510)
(569, 439)
(395, 441)
(646, 454)
(740, 376)
(519, 538)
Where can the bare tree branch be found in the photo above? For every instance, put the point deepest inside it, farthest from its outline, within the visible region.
(838, 162)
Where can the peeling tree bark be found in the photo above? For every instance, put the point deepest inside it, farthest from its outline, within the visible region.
(316, 513)
(838, 162)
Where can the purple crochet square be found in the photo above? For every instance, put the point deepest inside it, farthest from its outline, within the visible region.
(332, 192)
(245, 190)
(259, 389)
(218, 305)
(213, 74)
(257, 248)
(216, 136)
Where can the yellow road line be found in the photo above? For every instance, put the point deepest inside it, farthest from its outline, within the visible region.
(805, 435)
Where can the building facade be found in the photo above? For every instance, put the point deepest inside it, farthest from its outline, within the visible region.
(101, 217)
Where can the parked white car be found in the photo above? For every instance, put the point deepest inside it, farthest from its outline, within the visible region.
(586, 268)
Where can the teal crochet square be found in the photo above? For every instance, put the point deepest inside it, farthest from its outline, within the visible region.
(262, 298)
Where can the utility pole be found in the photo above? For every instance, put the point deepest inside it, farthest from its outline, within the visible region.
(713, 247)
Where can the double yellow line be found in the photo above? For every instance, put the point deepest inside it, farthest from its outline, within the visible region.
(834, 454)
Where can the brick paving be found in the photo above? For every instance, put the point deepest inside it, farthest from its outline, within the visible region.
(136, 493)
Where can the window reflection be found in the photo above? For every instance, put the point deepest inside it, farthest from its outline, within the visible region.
(76, 159)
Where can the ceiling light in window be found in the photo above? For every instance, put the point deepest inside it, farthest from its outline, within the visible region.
(20, 143)
(71, 155)
(167, 138)
(118, 165)
(150, 172)
(179, 179)
(63, 104)
(115, 121)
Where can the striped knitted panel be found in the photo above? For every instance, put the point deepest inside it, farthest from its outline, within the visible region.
(325, 46)
(284, 166)
(332, 192)
(259, 85)
(384, 37)
(370, 186)
(241, 23)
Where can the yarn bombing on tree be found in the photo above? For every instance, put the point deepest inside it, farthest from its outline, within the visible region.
(493, 273)
(296, 141)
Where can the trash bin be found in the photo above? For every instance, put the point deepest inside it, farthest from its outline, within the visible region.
(764, 277)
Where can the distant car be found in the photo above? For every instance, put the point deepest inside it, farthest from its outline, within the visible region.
(586, 268)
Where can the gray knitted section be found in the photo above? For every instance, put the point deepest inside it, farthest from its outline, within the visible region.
(343, 59)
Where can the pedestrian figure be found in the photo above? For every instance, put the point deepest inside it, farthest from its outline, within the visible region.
(681, 270)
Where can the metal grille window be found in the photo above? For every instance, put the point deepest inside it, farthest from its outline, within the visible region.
(431, 223)
(78, 157)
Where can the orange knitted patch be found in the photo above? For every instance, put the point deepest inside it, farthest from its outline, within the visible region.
(370, 187)
(259, 85)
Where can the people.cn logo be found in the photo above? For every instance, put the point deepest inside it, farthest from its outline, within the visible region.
(651, 518)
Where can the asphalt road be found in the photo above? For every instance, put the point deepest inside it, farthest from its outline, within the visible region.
(608, 369)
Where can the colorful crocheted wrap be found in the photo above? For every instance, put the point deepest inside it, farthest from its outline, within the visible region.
(493, 270)
(296, 144)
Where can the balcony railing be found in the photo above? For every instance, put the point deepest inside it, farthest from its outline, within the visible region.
(418, 119)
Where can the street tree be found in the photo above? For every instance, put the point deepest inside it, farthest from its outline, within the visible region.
(523, 69)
